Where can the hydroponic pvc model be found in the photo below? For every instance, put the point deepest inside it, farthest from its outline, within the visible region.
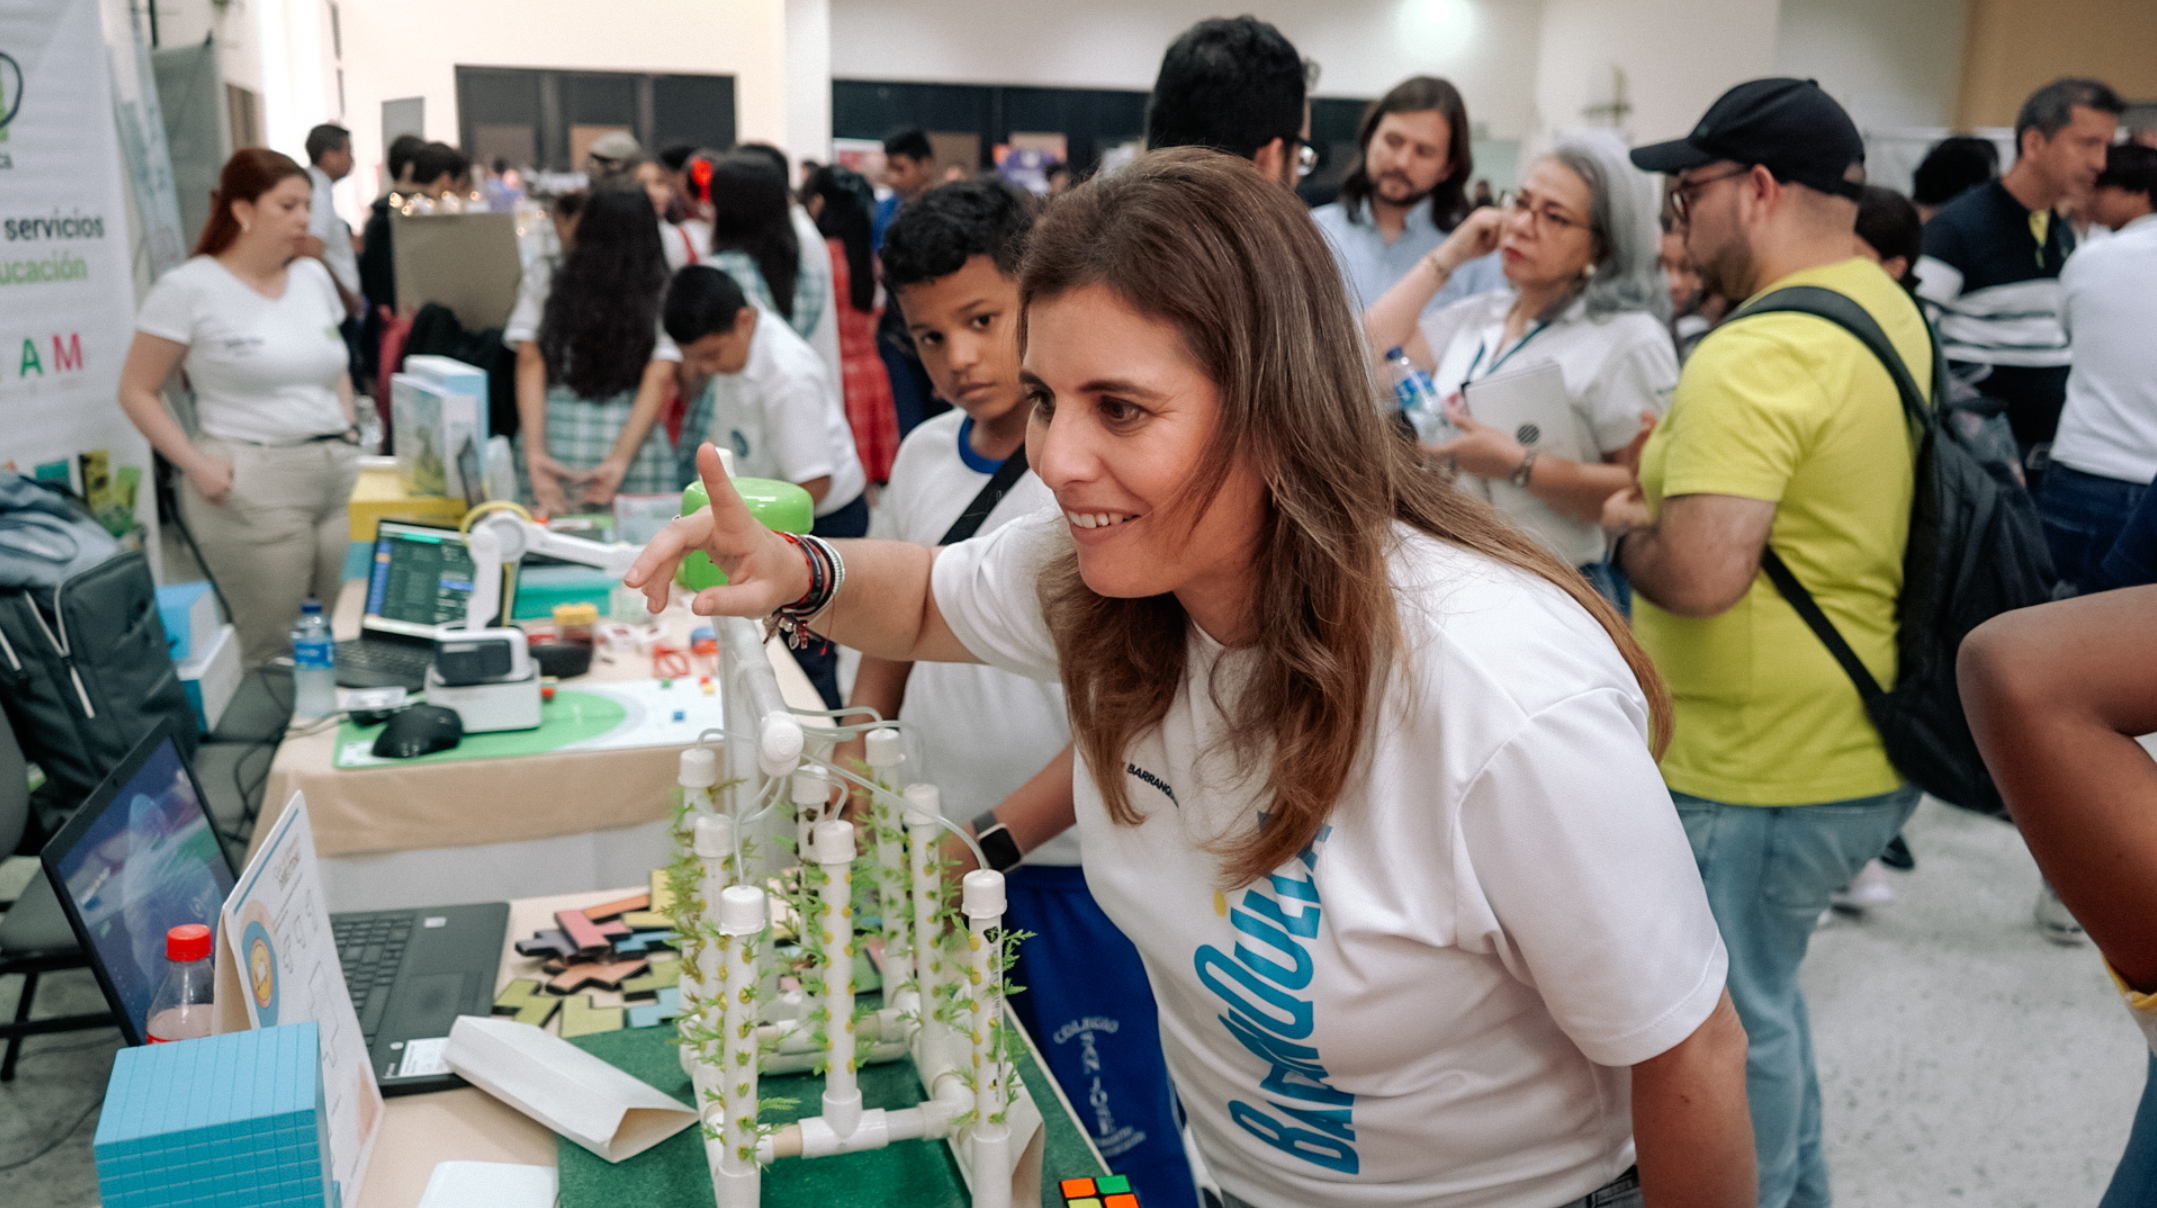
(944, 1011)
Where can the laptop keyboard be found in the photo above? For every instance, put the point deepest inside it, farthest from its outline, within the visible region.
(387, 660)
(370, 947)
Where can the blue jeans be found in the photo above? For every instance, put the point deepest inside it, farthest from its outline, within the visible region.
(2083, 515)
(2134, 1184)
(1769, 871)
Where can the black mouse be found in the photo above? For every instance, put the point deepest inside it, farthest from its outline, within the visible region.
(419, 730)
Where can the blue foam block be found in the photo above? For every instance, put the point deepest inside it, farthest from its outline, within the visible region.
(192, 1121)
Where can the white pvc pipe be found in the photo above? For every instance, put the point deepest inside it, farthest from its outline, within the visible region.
(884, 753)
(736, 1177)
(982, 899)
(835, 856)
(924, 806)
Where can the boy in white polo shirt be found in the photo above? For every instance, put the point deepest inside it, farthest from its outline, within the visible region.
(951, 260)
(771, 402)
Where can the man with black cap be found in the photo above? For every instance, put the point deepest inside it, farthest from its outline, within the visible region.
(1785, 432)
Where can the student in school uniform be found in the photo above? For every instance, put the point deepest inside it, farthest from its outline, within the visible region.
(951, 258)
(592, 363)
(770, 401)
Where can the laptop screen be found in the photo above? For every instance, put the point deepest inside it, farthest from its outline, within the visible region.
(138, 859)
(419, 580)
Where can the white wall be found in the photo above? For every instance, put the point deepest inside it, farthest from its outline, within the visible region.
(1892, 63)
(405, 48)
(1677, 56)
(1486, 47)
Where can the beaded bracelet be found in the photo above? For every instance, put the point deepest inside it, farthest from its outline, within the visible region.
(827, 574)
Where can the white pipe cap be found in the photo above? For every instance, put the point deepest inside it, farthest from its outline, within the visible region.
(981, 894)
(779, 743)
(924, 804)
(811, 789)
(885, 749)
(741, 910)
(835, 843)
(700, 768)
(714, 836)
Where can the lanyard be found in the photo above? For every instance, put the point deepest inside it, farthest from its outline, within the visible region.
(1507, 355)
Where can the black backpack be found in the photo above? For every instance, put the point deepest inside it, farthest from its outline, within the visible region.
(1976, 550)
(84, 673)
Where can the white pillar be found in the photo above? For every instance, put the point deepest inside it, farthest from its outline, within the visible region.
(808, 80)
(736, 1175)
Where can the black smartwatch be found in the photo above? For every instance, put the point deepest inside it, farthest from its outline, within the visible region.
(996, 842)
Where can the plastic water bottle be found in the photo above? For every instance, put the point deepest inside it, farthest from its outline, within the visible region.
(183, 1007)
(314, 664)
(1419, 399)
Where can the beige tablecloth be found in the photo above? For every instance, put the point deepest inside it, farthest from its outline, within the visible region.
(468, 803)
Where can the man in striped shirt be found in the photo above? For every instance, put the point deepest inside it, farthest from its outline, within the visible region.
(1992, 260)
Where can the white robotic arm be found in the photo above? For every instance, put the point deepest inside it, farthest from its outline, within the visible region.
(500, 539)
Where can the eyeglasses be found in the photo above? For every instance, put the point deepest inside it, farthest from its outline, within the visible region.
(1543, 215)
(1685, 192)
(1306, 159)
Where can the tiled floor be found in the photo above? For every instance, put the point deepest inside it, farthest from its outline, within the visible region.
(1965, 1060)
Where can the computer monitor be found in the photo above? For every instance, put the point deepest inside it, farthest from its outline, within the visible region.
(419, 580)
(138, 859)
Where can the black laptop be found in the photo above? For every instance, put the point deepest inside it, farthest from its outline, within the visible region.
(418, 581)
(139, 858)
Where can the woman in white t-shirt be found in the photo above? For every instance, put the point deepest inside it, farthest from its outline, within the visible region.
(593, 364)
(255, 326)
(1578, 244)
(1366, 776)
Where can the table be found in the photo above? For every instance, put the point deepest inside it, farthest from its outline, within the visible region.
(470, 1125)
(493, 829)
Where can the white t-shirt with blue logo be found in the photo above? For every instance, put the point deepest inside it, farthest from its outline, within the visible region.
(1435, 1003)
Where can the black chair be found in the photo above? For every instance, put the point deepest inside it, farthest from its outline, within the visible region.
(34, 934)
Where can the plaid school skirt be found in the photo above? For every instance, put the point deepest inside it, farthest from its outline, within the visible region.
(581, 433)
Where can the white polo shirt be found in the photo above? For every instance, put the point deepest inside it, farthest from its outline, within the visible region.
(782, 417)
(1436, 1002)
(2109, 425)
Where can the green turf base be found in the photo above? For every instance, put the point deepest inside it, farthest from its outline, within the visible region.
(911, 1174)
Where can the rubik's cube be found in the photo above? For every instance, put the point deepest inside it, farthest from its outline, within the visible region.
(234, 1119)
(1111, 1192)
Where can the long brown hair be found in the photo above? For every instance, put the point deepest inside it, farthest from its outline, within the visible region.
(251, 172)
(1197, 240)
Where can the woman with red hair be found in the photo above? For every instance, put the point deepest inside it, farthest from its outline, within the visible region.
(254, 325)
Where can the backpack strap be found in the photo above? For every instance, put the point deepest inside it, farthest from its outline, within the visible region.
(992, 493)
(1840, 310)
(1808, 609)
(1921, 412)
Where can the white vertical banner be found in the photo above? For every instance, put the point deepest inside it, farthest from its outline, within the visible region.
(67, 299)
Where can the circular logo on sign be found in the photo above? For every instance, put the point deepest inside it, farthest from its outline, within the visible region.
(10, 89)
(261, 972)
(1528, 434)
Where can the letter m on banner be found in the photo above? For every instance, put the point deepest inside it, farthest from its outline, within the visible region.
(67, 355)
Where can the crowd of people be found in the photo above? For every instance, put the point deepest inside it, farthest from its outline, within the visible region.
(1399, 822)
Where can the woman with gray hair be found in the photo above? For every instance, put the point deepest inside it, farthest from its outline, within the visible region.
(1578, 244)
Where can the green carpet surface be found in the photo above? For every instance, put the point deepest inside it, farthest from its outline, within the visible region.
(911, 1174)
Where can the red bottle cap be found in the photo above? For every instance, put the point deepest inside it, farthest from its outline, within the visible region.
(188, 942)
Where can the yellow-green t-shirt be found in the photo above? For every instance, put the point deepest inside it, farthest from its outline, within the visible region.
(1791, 409)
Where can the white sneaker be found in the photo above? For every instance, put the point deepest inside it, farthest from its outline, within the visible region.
(2054, 921)
(1867, 889)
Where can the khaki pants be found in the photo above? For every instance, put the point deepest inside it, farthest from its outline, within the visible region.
(278, 538)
